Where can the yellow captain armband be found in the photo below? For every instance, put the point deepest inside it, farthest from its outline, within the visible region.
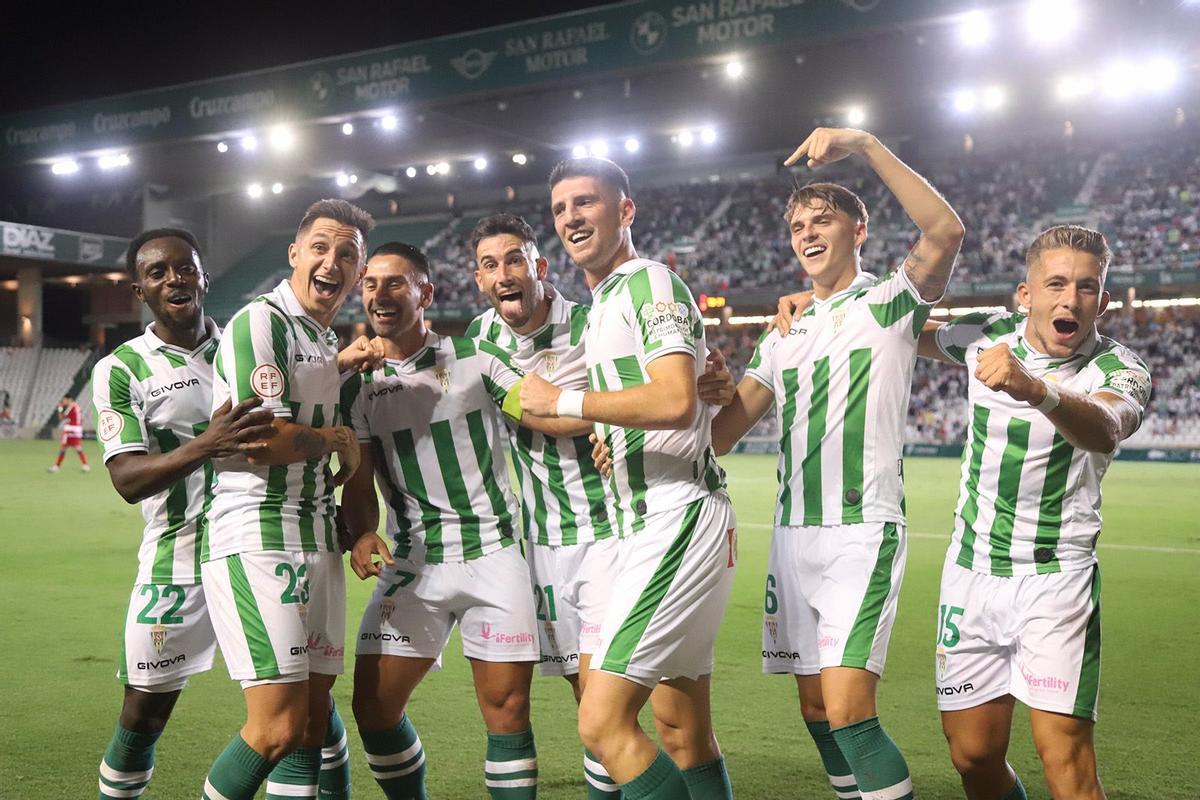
(512, 402)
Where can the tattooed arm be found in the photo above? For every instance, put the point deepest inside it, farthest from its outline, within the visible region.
(291, 443)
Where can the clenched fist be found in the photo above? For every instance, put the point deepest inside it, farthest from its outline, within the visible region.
(1001, 371)
(538, 396)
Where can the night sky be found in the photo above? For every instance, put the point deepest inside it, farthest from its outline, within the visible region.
(60, 52)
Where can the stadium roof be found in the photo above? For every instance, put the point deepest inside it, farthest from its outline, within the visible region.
(653, 70)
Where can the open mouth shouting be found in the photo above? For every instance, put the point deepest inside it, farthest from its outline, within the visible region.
(510, 302)
(1065, 328)
(326, 287)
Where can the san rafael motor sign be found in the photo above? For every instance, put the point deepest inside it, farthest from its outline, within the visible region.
(610, 39)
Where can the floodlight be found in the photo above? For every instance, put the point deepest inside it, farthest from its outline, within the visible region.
(632, 145)
(411, 172)
(112, 161)
(708, 135)
(975, 29)
(965, 101)
(343, 179)
(443, 168)
(735, 69)
(855, 115)
(686, 139)
(281, 138)
(389, 122)
(579, 151)
(347, 128)
(66, 166)
(520, 159)
(255, 190)
(277, 188)
(249, 143)
(222, 147)
(1052, 20)
(598, 148)
(431, 169)
(480, 164)
(993, 98)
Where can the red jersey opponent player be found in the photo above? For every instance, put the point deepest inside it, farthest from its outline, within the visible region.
(71, 417)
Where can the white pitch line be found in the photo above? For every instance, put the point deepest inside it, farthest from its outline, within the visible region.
(945, 537)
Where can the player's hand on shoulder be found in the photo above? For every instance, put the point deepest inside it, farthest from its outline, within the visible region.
(361, 355)
(232, 427)
(715, 386)
(538, 396)
(601, 455)
(1000, 370)
(827, 145)
(790, 305)
(362, 555)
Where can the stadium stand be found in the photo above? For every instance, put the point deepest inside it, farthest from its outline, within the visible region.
(36, 379)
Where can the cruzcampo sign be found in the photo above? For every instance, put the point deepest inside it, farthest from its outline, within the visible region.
(610, 39)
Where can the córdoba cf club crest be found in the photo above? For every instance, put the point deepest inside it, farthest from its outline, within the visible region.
(386, 607)
(443, 375)
(158, 637)
(551, 362)
(773, 628)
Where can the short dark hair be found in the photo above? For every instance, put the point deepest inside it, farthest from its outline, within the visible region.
(408, 252)
(156, 233)
(497, 224)
(602, 168)
(831, 195)
(339, 210)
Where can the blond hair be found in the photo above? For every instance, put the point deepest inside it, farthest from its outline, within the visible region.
(1072, 237)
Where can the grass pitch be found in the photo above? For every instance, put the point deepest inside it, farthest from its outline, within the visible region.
(68, 549)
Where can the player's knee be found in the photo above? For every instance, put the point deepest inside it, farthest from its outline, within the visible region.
(1065, 759)
(506, 709)
(846, 711)
(813, 710)
(147, 712)
(687, 747)
(974, 755)
(595, 728)
(275, 738)
(373, 712)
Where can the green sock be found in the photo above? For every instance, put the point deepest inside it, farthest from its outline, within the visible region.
(662, 780)
(296, 775)
(1018, 790)
(127, 765)
(841, 778)
(878, 767)
(600, 785)
(335, 760)
(511, 769)
(237, 773)
(709, 781)
(397, 761)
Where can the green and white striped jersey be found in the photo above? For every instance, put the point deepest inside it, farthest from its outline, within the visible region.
(562, 493)
(841, 379)
(1029, 502)
(152, 397)
(640, 312)
(434, 421)
(273, 350)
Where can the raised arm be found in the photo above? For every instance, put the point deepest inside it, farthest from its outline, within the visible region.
(931, 260)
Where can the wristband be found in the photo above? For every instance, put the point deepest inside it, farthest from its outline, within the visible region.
(570, 404)
(1050, 401)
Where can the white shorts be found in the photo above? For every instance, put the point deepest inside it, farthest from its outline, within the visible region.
(673, 582)
(168, 637)
(1035, 637)
(831, 599)
(415, 606)
(279, 615)
(571, 587)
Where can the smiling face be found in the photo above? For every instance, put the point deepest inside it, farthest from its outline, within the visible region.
(171, 282)
(592, 219)
(826, 241)
(395, 293)
(327, 260)
(1064, 294)
(509, 273)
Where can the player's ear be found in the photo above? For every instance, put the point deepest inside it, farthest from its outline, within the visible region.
(293, 254)
(137, 291)
(542, 266)
(1023, 294)
(628, 212)
(1105, 297)
(860, 234)
(427, 294)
